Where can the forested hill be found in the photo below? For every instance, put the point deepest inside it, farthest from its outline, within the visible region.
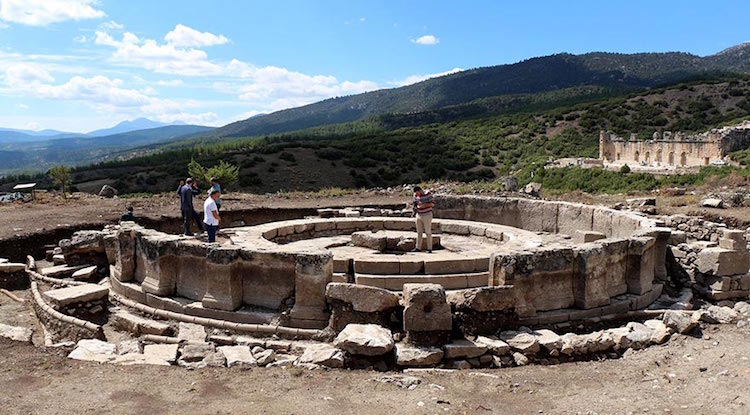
(542, 74)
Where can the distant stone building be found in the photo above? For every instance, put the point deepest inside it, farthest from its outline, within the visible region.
(672, 150)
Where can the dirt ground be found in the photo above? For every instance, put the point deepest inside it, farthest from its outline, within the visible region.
(689, 375)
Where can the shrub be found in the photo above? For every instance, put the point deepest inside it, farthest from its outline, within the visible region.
(625, 169)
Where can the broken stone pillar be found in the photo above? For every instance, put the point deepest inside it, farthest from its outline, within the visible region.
(661, 236)
(641, 258)
(600, 273)
(311, 275)
(157, 264)
(427, 315)
(223, 283)
(125, 259)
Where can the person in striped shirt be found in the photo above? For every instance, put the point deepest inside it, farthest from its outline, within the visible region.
(423, 203)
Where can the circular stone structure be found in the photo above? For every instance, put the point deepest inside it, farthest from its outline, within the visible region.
(531, 261)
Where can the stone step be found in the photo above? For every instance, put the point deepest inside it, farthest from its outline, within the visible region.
(448, 281)
(138, 325)
(60, 271)
(429, 264)
(76, 294)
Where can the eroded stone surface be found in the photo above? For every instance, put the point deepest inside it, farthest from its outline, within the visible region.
(19, 334)
(75, 294)
(413, 356)
(362, 298)
(324, 355)
(365, 339)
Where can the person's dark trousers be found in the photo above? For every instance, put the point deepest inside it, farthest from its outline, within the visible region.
(186, 221)
(187, 215)
(198, 220)
(211, 229)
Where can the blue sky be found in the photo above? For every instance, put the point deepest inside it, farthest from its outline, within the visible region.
(79, 65)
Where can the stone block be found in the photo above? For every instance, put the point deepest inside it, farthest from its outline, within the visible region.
(372, 240)
(311, 276)
(439, 265)
(735, 235)
(677, 237)
(640, 264)
(165, 352)
(587, 236)
(323, 354)
(455, 228)
(463, 349)
(413, 356)
(267, 278)
(138, 325)
(362, 298)
(411, 266)
(85, 273)
(377, 266)
(425, 308)
(732, 244)
(19, 334)
(75, 294)
(723, 262)
(365, 339)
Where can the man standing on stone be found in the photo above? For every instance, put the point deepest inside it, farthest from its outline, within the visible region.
(211, 214)
(187, 192)
(423, 203)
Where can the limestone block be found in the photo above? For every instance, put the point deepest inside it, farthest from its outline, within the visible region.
(75, 294)
(371, 240)
(676, 238)
(165, 352)
(312, 275)
(190, 332)
(365, 339)
(19, 334)
(376, 266)
(661, 237)
(85, 273)
(640, 264)
(323, 354)
(548, 339)
(601, 273)
(483, 299)
(678, 321)
(425, 308)
(11, 267)
(731, 244)
(723, 262)
(572, 217)
(362, 298)
(538, 216)
(224, 287)
(267, 278)
(455, 228)
(735, 235)
(94, 350)
(138, 325)
(265, 357)
(463, 349)
(413, 356)
(494, 345)
(525, 343)
(582, 237)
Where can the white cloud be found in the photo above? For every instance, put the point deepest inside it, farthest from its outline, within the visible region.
(80, 39)
(111, 25)
(161, 58)
(45, 12)
(23, 106)
(103, 94)
(362, 19)
(426, 40)
(169, 82)
(413, 79)
(184, 36)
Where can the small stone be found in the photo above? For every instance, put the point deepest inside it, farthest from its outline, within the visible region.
(723, 315)
(237, 355)
(194, 352)
(520, 359)
(129, 346)
(548, 339)
(460, 365)
(679, 321)
(265, 357)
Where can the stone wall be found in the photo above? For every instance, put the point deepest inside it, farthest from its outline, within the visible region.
(674, 149)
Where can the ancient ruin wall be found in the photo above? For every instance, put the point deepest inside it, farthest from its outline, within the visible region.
(674, 149)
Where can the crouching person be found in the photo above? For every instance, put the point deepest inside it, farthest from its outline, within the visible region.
(211, 214)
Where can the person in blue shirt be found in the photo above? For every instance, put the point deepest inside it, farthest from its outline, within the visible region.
(187, 192)
(215, 187)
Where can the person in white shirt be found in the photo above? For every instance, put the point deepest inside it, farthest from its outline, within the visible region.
(211, 214)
